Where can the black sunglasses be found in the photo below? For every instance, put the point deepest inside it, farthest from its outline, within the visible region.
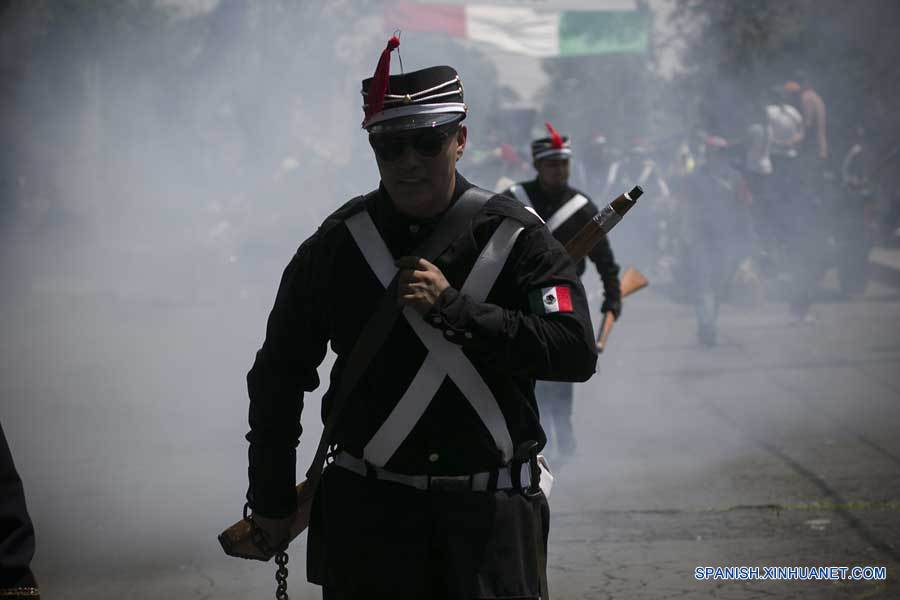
(427, 143)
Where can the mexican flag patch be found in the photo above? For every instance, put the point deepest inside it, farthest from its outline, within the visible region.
(555, 299)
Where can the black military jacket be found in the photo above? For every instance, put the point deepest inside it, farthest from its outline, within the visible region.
(601, 255)
(327, 294)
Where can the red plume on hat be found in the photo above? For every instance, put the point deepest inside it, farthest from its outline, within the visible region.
(555, 139)
(379, 86)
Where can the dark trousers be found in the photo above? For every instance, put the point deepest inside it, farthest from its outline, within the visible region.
(808, 262)
(802, 226)
(713, 262)
(16, 530)
(377, 539)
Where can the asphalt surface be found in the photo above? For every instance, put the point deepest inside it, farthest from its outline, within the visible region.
(125, 411)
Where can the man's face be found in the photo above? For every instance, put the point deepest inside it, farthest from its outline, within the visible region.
(553, 173)
(417, 167)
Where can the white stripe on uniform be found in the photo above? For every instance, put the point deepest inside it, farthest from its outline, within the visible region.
(444, 358)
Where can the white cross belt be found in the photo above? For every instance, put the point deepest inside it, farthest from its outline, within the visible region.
(444, 359)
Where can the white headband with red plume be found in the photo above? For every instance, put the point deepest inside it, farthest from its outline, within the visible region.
(556, 146)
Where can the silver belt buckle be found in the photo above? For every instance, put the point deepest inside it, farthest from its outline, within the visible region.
(450, 483)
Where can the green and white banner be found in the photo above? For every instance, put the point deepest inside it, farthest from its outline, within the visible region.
(533, 28)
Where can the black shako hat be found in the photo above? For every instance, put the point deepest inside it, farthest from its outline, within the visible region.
(425, 98)
(555, 146)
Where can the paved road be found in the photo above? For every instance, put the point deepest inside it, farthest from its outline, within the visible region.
(125, 412)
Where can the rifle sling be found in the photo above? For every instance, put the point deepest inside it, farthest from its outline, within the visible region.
(382, 321)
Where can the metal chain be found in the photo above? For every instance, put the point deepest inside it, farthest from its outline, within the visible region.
(281, 557)
(281, 575)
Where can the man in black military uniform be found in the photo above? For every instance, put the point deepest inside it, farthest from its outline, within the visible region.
(565, 210)
(432, 489)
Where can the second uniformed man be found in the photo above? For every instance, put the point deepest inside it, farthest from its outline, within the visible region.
(432, 491)
(565, 211)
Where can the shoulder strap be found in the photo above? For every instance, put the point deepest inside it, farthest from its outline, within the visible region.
(521, 194)
(565, 211)
(382, 321)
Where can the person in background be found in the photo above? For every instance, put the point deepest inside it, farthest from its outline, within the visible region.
(814, 116)
(717, 232)
(565, 210)
(16, 533)
(808, 220)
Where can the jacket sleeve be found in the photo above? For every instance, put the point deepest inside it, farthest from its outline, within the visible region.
(285, 368)
(556, 346)
(603, 259)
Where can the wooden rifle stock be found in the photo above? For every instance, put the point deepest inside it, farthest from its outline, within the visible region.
(631, 281)
(606, 325)
(238, 540)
